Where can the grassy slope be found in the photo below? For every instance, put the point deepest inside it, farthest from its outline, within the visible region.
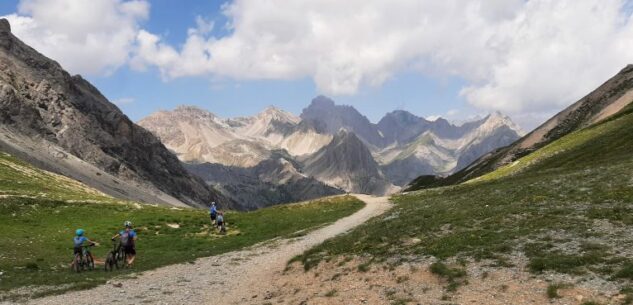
(19, 179)
(37, 224)
(570, 211)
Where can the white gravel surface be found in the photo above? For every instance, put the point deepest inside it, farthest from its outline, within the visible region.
(239, 277)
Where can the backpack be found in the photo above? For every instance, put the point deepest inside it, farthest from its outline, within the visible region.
(126, 240)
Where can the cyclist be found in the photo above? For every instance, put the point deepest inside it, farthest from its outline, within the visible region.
(221, 224)
(213, 212)
(78, 242)
(128, 242)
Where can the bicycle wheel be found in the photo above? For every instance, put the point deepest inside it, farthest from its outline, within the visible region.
(124, 260)
(109, 262)
(76, 264)
(82, 263)
(120, 257)
(90, 262)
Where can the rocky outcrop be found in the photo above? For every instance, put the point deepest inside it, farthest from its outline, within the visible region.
(64, 124)
(347, 163)
(402, 126)
(273, 181)
(336, 117)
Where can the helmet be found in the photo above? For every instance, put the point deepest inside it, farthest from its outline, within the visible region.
(213, 203)
(127, 224)
(79, 232)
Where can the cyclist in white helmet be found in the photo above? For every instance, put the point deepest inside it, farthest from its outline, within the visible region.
(128, 242)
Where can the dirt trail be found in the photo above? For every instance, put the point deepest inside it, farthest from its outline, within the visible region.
(233, 278)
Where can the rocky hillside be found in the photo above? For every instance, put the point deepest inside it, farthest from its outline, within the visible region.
(599, 105)
(347, 163)
(275, 180)
(63, 124)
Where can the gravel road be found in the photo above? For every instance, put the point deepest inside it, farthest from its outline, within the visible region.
(241, 277)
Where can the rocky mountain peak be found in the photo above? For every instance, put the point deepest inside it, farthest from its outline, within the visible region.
(189, 109)
(322, 101)
(334, 117)
(5, 27)
(274, 113)
(498, 119)
(404, 117)
(193, 112)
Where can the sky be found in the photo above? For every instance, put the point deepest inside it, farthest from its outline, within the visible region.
(456, 59)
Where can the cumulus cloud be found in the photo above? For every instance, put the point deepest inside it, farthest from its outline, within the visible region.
(554, 52)
(516, 55)
(89, 37)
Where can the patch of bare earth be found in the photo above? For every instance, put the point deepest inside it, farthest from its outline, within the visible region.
(341, 282)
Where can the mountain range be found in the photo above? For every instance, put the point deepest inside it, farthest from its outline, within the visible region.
(277, 156)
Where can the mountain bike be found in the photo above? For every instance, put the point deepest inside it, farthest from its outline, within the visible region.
(115, 257)
(121, 257)
(83, 260)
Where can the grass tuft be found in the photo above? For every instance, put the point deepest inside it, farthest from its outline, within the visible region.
(454, 276)
(552, 289)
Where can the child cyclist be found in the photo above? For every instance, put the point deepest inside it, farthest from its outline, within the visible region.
(79, 240)
(220, 222)
(128, 242)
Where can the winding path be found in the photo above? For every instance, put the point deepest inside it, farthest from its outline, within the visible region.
(230, 278)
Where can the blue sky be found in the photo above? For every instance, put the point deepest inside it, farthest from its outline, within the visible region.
(527, 59)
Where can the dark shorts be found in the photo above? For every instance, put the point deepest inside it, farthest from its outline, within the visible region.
(130, 250)
(76, 250)
(213, 216)
(220, 223)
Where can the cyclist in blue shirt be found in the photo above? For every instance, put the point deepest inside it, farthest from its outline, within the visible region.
(79, 240)
(213, 212)
(128, 242)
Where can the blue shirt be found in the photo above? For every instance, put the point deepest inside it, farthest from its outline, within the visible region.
(131, 234)
(213, 210)
(79, 240)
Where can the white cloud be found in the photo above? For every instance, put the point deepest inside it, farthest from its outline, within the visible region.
(555, 52)
(518, 56)
(89, 37)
